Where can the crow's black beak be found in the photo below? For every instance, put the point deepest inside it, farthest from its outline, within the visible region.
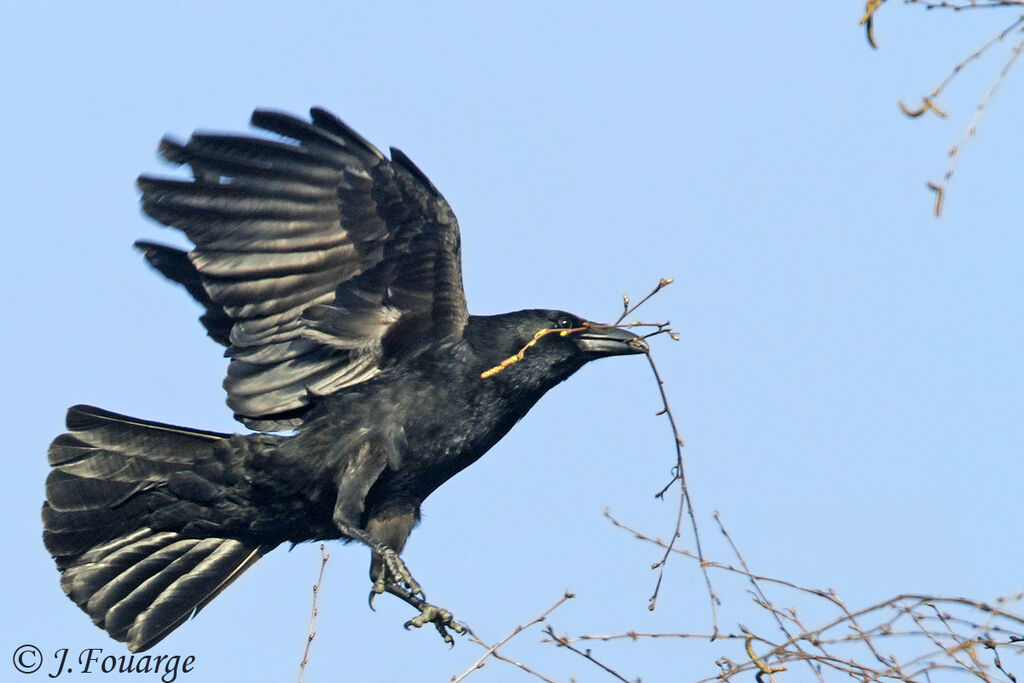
(609, 341)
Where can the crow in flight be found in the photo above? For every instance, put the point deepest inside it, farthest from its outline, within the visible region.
(332, 275)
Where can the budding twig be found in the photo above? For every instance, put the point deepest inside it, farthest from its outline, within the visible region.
(492, 650)
(947, 633)
(312, 618)
(564, 641)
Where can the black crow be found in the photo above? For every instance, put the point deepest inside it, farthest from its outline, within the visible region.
(332, 275)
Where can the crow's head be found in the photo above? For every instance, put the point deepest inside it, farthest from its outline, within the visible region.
(547, 346)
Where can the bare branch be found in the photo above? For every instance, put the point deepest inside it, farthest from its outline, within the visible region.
(685, 502)
(943, 633)
(954, 153)
(492, 650)
(564, 641)
(627, 309)
(312, 617)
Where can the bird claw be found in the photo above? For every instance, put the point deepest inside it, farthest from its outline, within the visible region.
(394, 578)
(394, 573)
(442, 620)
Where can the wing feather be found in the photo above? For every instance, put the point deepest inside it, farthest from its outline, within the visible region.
(311, 252)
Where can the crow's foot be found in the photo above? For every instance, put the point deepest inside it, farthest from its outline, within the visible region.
(441, 618)
(392, 576)
(395, 574)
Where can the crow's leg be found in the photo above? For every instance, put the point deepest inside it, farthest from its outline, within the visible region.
(385, 536)
(386, 567)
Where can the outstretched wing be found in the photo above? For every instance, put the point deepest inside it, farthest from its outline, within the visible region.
(318, 259)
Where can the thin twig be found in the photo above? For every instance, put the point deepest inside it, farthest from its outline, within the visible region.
(627, 309)
(970, 4)
(492, 650)
(685, 500)
(974, 56)
(312, 617)
(951, 631)
(761, 594)
(954, 153)
(563, 641)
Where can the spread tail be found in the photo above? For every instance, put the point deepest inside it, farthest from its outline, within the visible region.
(132, 515)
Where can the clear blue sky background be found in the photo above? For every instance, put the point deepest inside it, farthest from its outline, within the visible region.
(850, 375)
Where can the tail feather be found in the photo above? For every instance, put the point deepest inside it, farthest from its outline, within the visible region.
(102, 605)
(96, 569)
(68, 535)
(220, 563)
(71, 492)
(90, 462)
(128, 502)
(98, 552)
(104, 429)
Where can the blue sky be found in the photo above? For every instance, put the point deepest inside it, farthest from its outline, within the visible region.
(850, 375)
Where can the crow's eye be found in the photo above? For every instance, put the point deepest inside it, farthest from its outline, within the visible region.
(565, 322)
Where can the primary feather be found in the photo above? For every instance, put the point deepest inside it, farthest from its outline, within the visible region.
(309, 250)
